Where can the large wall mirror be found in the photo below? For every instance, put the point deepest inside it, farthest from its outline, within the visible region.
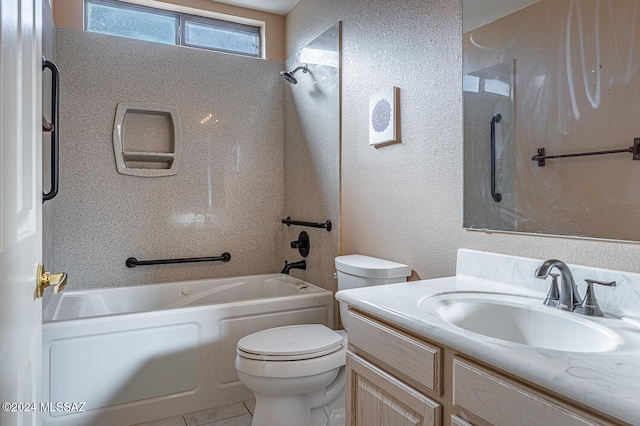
(558, 75)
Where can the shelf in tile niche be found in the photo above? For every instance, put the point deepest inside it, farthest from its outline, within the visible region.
(147, 139)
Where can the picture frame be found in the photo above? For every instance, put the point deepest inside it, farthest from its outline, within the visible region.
(384, 117)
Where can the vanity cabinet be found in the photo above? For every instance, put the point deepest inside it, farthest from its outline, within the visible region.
(396, 378)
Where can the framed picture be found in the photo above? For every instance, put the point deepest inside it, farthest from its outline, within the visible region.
(384, 117)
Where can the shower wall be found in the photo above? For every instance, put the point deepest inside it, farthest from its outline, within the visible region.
(228, 194)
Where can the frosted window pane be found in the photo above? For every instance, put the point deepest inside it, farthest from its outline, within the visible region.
(210, 37)
(132, 23)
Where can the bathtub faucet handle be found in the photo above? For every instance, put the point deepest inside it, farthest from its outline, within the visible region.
(302, 244)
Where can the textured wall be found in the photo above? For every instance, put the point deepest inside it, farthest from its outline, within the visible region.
(228, 195)
(404, 201)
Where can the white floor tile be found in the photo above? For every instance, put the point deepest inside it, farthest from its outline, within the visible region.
(169, 421)
(234, 421)
(209, 415)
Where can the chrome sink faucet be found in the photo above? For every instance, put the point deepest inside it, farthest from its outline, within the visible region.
(569, 297)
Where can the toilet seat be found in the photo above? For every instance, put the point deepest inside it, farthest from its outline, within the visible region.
(291, 343)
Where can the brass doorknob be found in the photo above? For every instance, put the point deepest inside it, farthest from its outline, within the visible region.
(45, 279)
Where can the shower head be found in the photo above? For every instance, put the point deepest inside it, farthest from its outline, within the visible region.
(288, 75)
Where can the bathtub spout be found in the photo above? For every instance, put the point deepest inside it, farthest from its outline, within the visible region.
(295, 265)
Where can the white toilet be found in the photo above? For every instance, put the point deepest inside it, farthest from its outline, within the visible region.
(297, 372)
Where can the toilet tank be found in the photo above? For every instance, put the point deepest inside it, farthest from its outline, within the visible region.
(356, 270)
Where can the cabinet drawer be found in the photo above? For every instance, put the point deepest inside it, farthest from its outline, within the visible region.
(501, 401)
(414, 361)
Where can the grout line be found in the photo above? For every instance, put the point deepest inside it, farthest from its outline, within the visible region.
(247, 407)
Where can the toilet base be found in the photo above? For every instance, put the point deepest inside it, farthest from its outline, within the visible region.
(284, 411)
(296, 411)
(276, 405)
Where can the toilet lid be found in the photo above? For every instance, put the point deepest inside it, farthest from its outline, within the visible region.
(293, 342)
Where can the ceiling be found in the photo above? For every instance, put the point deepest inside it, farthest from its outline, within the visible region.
(279, 7)
(476, 12)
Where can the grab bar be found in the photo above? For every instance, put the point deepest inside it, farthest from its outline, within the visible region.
(496, 196)
(132, 262)
(53, 127)
(635, 150)
(289, 222)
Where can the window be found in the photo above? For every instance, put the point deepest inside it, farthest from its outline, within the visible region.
(145, 23)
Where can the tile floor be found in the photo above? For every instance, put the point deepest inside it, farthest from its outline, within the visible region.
(237, 414)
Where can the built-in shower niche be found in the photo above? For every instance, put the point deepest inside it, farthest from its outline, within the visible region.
(146, 139)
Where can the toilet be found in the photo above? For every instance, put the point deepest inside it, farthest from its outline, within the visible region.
(297, 372)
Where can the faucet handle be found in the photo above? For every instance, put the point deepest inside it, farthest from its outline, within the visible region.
(302, 244)
(553, 297)
(589, 305)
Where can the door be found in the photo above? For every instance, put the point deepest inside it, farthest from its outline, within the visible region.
(20, 210)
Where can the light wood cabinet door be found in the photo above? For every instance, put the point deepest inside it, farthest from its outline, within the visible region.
(375, 398)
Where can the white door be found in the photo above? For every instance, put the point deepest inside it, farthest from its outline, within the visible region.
(20, 210)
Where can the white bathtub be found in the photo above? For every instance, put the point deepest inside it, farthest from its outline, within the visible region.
(133, 354)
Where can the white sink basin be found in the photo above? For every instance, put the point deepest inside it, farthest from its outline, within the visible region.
(521, 320)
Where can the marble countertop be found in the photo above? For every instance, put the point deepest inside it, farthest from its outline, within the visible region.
(606, 381)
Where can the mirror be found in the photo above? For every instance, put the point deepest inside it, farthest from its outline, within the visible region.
(562, 75)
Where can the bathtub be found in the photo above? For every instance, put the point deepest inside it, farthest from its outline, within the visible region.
(126, 355)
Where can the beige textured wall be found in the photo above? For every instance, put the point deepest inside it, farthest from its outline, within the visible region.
(228, 193)
(70, 14)
(404, 202)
